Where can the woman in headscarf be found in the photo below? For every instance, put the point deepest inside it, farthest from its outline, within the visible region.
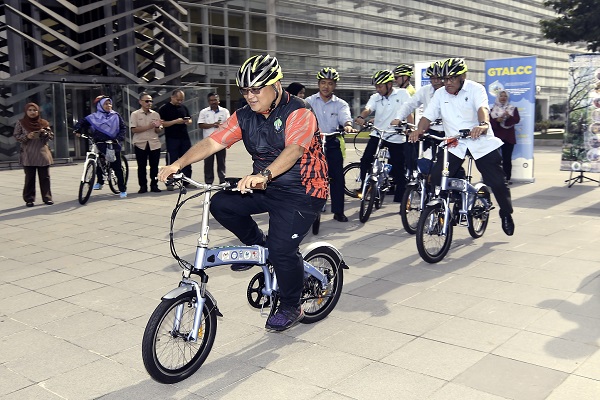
(106, 124)
(33, 133)
(297, 89)
(503, 119)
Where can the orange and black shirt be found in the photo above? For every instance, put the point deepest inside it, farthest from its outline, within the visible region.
(291, 122)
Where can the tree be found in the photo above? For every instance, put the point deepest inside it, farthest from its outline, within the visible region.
(578, 22)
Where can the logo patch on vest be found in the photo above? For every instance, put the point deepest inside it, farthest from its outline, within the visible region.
(278, 124)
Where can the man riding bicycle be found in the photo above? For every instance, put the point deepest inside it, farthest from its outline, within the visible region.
(385, 103)
(280, 132)
(464, 105)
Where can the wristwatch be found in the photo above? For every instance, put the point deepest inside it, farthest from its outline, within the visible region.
(267, 174)
(481, 123)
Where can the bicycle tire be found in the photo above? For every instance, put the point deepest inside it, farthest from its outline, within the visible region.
(367, 202)
(432, 244)
(352, 181)
(87, 184)
(381, 196)
(479, 215)
(113, 182)
(168, 356)
(410, 208)
(317, 302)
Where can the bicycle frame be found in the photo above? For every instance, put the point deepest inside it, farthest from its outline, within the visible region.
(451, 185)
(206, 257)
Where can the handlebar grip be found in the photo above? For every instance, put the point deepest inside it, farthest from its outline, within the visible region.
(464, 133)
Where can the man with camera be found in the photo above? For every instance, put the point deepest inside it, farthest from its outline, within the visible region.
(176, 117)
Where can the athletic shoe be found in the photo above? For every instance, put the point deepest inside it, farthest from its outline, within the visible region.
(98, 186)
(123, 195)
(284, 318)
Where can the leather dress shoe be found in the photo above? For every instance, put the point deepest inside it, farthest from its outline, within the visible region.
(155, 189)
(29, 204)
(49, 202)
(340, 217)
(508, 225)
(143, 190)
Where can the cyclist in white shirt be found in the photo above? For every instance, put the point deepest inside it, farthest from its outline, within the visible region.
(464, 105)
(386, 103)
(402, 74)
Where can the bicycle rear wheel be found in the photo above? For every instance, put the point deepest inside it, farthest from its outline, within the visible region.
(352, 181)
(479, 214)
(367, 202)
(168, 355)
(432, 243)
(87, 183)
(410, 208)
(113, 182)
(317, 302)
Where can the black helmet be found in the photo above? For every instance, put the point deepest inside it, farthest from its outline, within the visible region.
(382, 76)
(453, 67)
(434, 69)
(403, 70)
(259, 71)
(328, 73)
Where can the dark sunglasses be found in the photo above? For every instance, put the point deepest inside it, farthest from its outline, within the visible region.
(147, 101)
(245, 91)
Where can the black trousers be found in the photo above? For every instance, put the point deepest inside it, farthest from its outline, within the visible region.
(175, 149)
(43, 174)
(335, 168)
(397, 160)
(143, 157)
(209, 167)
(507, 150)
(290, 218)
(490, 167)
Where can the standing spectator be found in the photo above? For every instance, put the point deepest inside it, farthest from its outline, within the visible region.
(209, 120)
(106, 124)
(331, 112)
(386, 103)
(33, 133)
(146, 126)
(504, 117)
(297, 89)
(175, 119)
(463, 104)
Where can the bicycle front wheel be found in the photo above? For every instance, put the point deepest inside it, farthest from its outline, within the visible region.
(352, 181)
(87, 183)
(410, 208)
(432, 243)
(318, 301)
(367, 202)
(168, 355)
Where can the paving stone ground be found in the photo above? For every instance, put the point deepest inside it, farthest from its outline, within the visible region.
(499, 318)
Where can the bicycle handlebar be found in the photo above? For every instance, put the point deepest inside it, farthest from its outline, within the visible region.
(114, 141)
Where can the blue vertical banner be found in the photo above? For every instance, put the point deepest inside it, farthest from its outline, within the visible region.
(517, 77)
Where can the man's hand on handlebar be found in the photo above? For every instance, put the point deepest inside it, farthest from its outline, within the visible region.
(414, 136)
(166, 172)
(478, 131)
(252, 182)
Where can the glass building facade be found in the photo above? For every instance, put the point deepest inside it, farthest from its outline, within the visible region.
(359, 37)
